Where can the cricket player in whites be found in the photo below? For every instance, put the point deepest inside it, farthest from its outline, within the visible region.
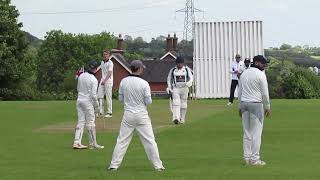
(135, 94)
(179, 80)
(87, 105)
(106, 83)
(254, 105)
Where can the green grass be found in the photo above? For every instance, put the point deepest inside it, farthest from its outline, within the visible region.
(209, 146)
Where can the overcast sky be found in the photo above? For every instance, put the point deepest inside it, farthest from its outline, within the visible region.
(285, 21)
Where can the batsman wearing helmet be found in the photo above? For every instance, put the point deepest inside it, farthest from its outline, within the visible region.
(179, 80)
(87, 105)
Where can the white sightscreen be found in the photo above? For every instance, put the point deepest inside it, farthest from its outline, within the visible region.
(215, 46)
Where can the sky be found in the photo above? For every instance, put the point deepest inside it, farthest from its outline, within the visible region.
(295, 22)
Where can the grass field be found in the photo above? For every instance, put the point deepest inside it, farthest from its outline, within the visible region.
(209, 146)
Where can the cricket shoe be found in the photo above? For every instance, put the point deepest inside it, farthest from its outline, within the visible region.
(229, 104)
(97, 146)
(108, 115)
(176, 121)
(112, 169)
(258, 163)
(160, 169)
(79, 146)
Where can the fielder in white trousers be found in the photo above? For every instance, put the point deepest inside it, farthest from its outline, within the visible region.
(252, 121)
(105, 86)
(135, 94)
(254, 104)
(105, 90)
(142, 124)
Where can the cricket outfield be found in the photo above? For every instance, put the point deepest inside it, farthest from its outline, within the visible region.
(36, 140)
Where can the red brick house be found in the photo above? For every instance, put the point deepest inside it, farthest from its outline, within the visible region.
(156, 71)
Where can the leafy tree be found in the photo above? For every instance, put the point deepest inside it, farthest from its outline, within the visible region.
(61, 54)
(185, 48)
(285, 47)
(13, 45)
(128, 38)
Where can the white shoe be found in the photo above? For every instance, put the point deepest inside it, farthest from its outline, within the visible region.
(97, 146)
(108, 115)
(229, 104)
(79, 146)
(258, 163)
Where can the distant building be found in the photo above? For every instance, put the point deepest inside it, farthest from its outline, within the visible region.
(156, 71)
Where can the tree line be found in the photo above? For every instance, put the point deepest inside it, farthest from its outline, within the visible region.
(33, 69)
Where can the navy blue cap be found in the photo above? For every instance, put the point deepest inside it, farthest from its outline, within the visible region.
(179, 59)
(260, 58)
(93, 64)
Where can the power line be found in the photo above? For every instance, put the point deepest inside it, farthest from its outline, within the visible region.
(91, 11)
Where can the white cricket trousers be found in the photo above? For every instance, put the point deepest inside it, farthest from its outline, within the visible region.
(252, 121)
(105, 90)
(86, 117)
(179, 103)
(142, 124)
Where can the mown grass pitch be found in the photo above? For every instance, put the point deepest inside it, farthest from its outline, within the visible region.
(209, 146)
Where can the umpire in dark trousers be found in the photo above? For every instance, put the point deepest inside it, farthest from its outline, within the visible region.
(234, 69)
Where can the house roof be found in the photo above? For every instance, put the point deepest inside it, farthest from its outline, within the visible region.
(170, 53)
(157, 70)
(118, 57)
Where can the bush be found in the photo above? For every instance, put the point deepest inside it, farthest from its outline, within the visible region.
(287, 80)
(33, 95)
(301, 84)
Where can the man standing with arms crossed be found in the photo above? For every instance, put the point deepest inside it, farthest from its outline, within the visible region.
(106, 83)
(234, 69)
(87, 105)
(135, 94)
(254, 105)
(179, 80)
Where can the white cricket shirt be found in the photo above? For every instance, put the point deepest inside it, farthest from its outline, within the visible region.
(105, 68)
(234, 67)
(253, 87)
(87, 87)
(242, 67)
(134, 91)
